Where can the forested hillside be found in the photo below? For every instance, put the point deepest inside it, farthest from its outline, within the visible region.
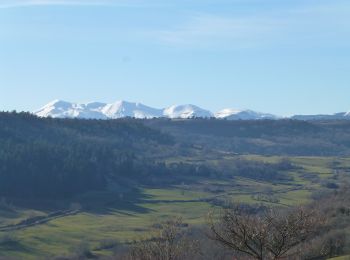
(265, 137)
(57, 158)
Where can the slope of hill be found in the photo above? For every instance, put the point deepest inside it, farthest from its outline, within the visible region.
(59, 158)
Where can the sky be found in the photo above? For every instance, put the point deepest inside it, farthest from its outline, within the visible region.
(283, 57)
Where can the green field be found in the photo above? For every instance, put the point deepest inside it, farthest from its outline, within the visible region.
(123, 218)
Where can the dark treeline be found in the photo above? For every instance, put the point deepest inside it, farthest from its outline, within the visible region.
(266, 137)
(263, 171)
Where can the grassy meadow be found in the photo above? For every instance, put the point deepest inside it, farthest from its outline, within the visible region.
(110, 217)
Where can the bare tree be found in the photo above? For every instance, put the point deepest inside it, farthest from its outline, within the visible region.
(169, 243)
(271, 235)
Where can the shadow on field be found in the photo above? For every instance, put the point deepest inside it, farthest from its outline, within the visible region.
(14, 246)
(108, 202)
(95, 202)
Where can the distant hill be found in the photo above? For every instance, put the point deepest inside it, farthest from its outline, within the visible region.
(266, 137)
(337, 116)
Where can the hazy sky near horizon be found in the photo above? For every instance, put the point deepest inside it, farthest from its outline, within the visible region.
(283, 57)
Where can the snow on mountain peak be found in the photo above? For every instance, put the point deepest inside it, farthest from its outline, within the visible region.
(227, 112)
(234, 114)
(57, 108)
(186, 111)
(64, 109)
(121, 109)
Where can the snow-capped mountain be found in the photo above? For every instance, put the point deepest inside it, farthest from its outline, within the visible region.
(122, 109)
(119, 109)
(186, 111)
(63, 109)
(234, 114)
(97, 110)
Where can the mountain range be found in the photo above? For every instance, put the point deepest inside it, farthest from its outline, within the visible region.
(118, 109)
(121, 109)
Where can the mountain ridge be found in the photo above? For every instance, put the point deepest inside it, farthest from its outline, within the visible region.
(121, 109)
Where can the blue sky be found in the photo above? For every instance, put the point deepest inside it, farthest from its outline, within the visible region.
(278, 56)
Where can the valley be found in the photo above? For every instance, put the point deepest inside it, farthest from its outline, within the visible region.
(72, 187)
(121, 219)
